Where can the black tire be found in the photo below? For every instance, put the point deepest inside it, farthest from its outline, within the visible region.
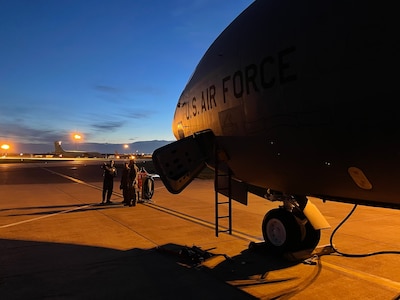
(281, 231)
(148, 188)
(311, 238)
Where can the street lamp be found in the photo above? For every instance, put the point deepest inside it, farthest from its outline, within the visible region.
(5, 147)
(77, 137)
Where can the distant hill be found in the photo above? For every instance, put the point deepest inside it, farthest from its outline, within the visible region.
(136, 147)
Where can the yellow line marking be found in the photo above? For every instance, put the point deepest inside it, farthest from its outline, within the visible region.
(208, 224)
(365, 276)
(58, 213)
(46, 216)
(71, 178)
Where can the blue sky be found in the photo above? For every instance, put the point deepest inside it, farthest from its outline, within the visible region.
(111, 71)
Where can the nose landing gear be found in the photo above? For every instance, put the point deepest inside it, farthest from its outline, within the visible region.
(287, 229)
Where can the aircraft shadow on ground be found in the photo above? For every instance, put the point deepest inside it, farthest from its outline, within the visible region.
(34, 270)
(251, 268)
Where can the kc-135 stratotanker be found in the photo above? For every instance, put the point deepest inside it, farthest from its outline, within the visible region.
(294, 99)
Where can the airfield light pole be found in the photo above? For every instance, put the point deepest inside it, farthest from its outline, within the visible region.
(5, 147)
(77, 137)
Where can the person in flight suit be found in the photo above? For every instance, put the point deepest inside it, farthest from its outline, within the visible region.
(133, 172)
(124, 186)
(109, 172)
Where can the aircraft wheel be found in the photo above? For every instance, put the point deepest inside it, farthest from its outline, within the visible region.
(311, 239)
(148, 188)
(281, 231)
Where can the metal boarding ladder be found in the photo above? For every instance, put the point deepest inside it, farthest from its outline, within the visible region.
(223, 188)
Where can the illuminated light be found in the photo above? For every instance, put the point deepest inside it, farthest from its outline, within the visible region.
(359, 178)
(76, 137)
(5, 146)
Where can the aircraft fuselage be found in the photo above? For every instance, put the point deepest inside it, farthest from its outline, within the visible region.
(302, 98)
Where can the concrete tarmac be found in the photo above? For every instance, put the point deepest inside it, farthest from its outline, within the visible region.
(58, 242)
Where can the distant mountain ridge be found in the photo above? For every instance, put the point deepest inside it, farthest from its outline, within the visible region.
(136, 147)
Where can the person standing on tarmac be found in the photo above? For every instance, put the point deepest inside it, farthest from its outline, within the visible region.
(133, 172)
(109, 172)
(124, 186)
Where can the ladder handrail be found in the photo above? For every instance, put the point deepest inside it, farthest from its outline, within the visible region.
(217, 188)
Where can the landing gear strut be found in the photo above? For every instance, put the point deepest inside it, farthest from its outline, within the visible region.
(286, 229)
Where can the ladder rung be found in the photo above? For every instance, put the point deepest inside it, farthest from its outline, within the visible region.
(222, 217)
(223, 202)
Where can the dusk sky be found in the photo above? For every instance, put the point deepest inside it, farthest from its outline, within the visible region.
(111, 71)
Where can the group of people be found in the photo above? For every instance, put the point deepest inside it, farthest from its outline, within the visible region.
(128, 183)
